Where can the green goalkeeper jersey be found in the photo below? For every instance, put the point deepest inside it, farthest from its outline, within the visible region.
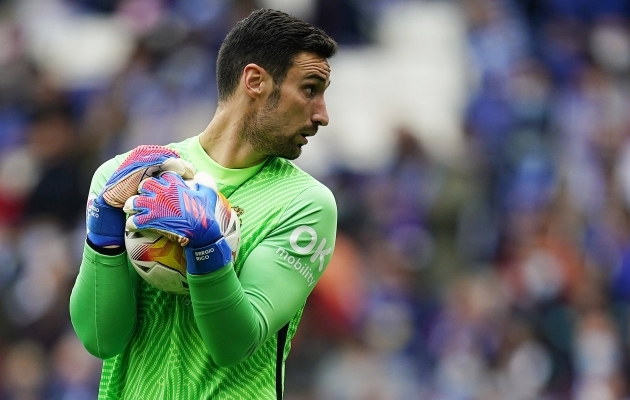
(230, 338)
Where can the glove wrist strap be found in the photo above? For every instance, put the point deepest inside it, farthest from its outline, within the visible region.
(106, 224)
(203, 260)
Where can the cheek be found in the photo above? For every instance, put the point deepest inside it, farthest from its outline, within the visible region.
(291, 111)
(289, 117)
(299, 111)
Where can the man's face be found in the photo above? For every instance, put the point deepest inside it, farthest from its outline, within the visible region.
(294, 110)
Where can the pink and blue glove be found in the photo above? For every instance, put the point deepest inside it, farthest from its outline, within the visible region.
(185, 214)
(105, 215)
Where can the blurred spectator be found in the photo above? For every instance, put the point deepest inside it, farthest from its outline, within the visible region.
(61, 184)
(24, 371)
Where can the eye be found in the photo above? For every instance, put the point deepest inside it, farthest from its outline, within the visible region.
(310, 90)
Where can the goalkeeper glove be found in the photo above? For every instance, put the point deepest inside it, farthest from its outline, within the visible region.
(185, 214)
(105, 216)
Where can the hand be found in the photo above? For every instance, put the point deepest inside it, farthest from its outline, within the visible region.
(185, 214)
(105, 216)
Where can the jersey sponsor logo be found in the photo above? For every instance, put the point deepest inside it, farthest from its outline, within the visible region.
(303, 269)
(320, 253)
(314, 246)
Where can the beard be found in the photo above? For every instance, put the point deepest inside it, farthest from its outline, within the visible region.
(262, 128)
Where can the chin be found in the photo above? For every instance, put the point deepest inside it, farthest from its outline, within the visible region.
(291, 155)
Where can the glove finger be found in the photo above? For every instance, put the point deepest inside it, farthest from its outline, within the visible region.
(150, 186)
(172, 165)
(131, 226)
(204, 179)
(180, 166)
(143, 162)
(205, 182)
(134, 223)
(182, 240)
(142, 207)
(161, 183)
(117, 194)
(129, 207)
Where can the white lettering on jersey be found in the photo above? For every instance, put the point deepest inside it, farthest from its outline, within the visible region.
(296, 235)
(320, 252)
(303, 268)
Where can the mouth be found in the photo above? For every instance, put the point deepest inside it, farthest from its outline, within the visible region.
(307, 132)
(306, 135)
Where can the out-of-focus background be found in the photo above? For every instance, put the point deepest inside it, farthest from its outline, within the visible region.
(479, 151)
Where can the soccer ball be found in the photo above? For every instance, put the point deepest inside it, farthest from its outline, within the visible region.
(161, 261)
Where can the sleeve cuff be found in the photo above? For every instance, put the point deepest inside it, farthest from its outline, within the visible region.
(114, 257)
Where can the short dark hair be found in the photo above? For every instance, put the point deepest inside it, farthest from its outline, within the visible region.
(270, 39)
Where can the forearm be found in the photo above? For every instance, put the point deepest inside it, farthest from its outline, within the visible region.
(102, 303)
(230, 325)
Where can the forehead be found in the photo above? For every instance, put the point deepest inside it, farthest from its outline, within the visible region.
(307, 65)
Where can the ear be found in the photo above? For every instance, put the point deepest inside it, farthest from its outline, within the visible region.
(255, 80)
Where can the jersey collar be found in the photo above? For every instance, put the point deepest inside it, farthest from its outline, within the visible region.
(224, 176)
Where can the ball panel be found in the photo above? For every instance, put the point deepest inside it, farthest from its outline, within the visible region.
(163, 251)
(166, 279)
(158, 260)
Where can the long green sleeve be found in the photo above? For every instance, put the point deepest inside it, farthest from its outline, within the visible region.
(102, 303)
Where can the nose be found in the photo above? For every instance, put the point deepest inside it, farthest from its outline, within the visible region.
(320, 114)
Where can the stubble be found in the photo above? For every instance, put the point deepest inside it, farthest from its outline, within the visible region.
(262, 130)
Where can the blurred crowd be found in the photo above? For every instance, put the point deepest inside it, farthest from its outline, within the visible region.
(504, 275)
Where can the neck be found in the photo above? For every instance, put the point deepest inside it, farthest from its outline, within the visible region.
(223, 142)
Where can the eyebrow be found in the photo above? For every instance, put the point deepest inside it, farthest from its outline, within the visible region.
(316, 76)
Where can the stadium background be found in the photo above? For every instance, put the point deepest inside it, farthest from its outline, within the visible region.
(479, 151)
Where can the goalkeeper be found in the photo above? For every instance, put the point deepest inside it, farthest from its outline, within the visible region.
(230, 338)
